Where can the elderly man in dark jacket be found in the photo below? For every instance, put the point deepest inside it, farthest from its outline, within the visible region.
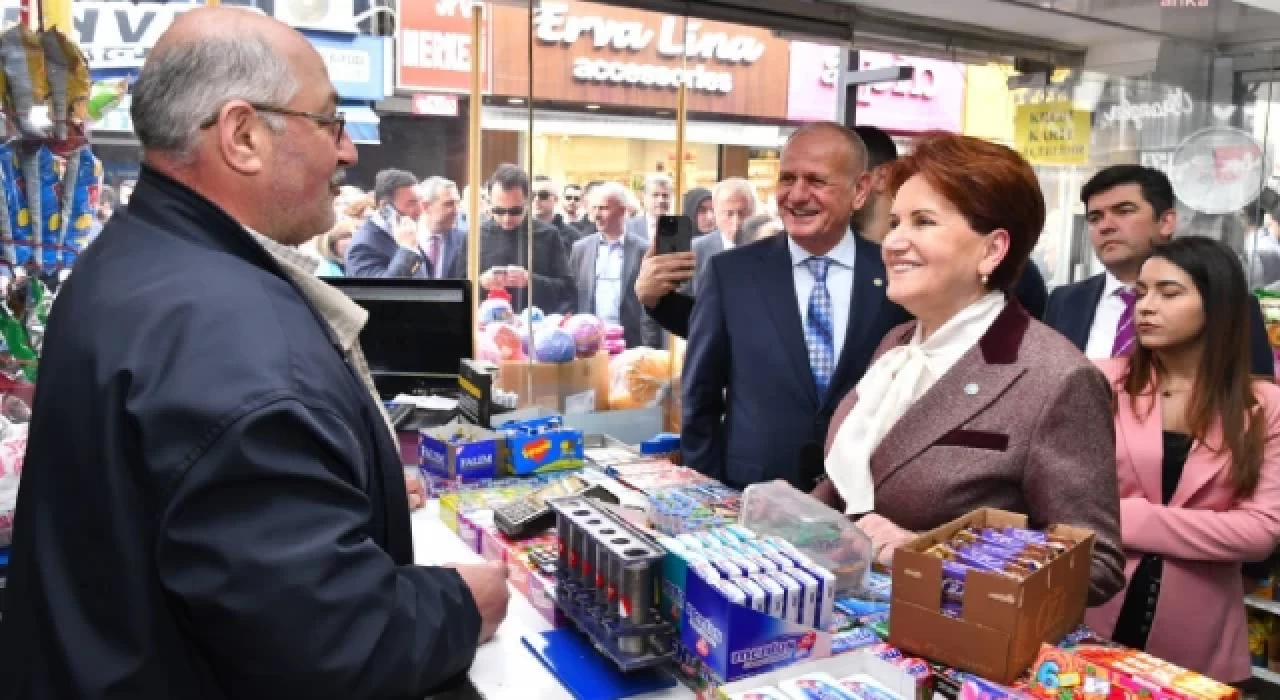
(213, 505)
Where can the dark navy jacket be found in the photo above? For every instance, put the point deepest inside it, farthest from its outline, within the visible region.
(212, 506)
(1072, 307)
(751, 407)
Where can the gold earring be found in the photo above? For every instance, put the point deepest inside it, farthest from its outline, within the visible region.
(985, 279)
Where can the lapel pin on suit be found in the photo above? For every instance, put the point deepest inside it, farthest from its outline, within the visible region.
(971, 389)
(878, 282)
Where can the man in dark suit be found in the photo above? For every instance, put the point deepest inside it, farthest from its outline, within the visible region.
(386, 244)
(732, 203)
(440, 238)
(605, 265)
(783, 328)
(230, 519)
(1129, 209)
(658, 189)
(504, 249)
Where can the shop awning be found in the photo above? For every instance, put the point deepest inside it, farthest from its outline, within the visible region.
(362, 124)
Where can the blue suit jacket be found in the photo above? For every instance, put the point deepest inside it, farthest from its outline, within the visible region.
(750, 403)
(1072, 307)
(374, 253)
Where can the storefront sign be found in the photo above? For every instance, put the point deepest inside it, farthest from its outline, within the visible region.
(355, 64)
(434, 50)
(932, 99)
(1177, 103)
(116, 35)
(554, 24)
(435, 105)
(1052, 134)
(601, 54)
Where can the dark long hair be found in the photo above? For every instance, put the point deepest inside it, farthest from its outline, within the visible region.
(1223, 387)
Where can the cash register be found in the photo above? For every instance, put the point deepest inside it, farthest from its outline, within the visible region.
(418, 333)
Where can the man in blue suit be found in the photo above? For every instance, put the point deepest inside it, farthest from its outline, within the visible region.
(1129, 209)
(784, 327)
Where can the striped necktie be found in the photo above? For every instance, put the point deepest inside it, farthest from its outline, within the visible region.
(1125, 335)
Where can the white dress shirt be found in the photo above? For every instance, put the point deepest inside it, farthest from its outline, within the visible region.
(609, 260)
(1102, 336)
(839, 284)
(725, 241)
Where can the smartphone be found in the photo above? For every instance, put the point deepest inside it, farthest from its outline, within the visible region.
(675, 234)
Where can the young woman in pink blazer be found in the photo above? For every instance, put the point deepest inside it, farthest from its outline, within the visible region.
(1198, 460)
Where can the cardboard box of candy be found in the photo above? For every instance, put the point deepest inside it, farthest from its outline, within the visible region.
(460, 451)
(982, 593)
(541, 445)
(1090, 672)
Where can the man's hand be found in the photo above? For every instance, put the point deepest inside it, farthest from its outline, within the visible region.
(406, 233)
(494, 278)
(417, 493)
(488, 585)
(662, 274)
(517, 276)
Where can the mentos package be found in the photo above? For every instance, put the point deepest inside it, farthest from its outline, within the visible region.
(865, 687)
(733, 641)
(815, 686)
(765, 693)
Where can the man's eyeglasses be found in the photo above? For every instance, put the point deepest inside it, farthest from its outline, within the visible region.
(508, 211)
(572, 197)
(335, 123)
(544, 195)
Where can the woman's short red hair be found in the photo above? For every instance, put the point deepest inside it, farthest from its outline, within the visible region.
(991, 185)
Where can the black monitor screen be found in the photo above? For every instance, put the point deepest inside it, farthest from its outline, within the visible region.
(417, 328)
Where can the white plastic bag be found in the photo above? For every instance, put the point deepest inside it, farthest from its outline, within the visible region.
(13, 450)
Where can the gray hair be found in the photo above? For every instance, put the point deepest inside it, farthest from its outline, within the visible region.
(183, 86)
(611, 190)
(434, 186)
(736, 185)
(654, 179)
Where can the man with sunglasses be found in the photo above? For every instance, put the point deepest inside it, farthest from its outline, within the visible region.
(575, 209)
(545, 201)
(214, 505)
(504, 248)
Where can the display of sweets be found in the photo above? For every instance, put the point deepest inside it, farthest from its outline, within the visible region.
(1008, 551)
(587, 332)
(675, 510)
(553, 345)
(1091, 672)
(766, 574)
(822, 686)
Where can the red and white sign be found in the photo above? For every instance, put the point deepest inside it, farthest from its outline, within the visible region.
(932, 99)
(435, 105)
(433, 47)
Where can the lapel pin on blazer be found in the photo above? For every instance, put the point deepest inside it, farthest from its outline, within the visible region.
(971, 389)
(878, 282)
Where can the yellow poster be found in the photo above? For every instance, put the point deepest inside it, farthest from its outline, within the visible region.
(1052, 134)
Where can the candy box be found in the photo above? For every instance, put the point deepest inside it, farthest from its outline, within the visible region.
(541, 445)
(472, 526)
(1065, 675)
(1002, 621)
(858, 674)
(460, 451)
(734, 641)
(1169, 678)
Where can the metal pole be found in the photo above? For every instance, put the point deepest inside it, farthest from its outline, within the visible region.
(212, 3)
(682, 114)
(473, 166)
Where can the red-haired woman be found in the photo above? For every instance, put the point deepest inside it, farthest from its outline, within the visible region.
(1199, 463)
(975, 403)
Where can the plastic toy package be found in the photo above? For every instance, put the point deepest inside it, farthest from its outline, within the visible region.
(15, 221)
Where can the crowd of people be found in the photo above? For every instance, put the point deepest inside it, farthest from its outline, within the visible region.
(238, 524)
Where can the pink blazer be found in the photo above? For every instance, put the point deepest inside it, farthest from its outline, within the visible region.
(1203, 534)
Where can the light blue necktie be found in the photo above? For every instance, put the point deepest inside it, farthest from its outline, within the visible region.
(819, 333)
